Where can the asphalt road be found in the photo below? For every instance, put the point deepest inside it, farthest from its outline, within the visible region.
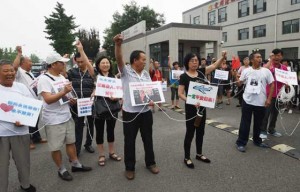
(256, 170)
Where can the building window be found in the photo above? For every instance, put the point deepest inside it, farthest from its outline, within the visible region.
(212, 18)
(263, 54)
(243, 54)
(196, 20)
(222, 15)
(224, 36)
(295, 2)
(243, 34)
(259, 6)
(259, 31)
(290, 53)
(290, 26)
(244, 8)
(195, 50)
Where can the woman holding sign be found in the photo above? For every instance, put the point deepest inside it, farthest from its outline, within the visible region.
(195, 115)
(104, 68)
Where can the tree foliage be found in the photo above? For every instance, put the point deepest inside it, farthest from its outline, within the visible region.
(8, 54)
(131, 16)
(90, 42)
(61, 30)
(34, 58)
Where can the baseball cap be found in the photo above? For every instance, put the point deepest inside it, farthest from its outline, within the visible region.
(54, 57)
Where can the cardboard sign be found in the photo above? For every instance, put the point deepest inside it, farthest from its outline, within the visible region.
(221, 74)
(203, 94)
(141, 93)
(60, 85)
(84, 107)
(15, 107)
(286, 77)
(109, 87)
(164, 86)
(176, 74)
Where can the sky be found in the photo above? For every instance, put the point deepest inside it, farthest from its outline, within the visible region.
(22, 21)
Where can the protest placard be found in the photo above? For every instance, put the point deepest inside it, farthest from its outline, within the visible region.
(221, 74)
(164, 86)
(109, 87)
(142, 92)
(286, 77)
(60, 85)
(202, 93)
(176, 74)
(15, 107)
(84, 107)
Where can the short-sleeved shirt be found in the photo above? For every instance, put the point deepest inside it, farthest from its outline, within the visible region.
(156, 75)
(129, 75)
(26, 78)
(174, 82)
(7, 128)
(54, 113)
(255, 85)
(82, 82)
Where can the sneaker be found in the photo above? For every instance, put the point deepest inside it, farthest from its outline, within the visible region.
(262, 145)
(81, 169)
(65, 176)
(276, 134)
(241, 148)
(263, 135)
(290, 111)
(31, 188)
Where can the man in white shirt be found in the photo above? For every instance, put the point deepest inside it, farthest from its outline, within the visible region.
(22, 66)
(14, 137)
(255, 78)
(59, 125)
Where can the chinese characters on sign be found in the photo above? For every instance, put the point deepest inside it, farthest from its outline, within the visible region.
(286, 77)
(84, 107)
(109, 87)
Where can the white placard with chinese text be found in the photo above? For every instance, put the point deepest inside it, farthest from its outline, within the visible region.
(142, 92)
(286, 77)
(221, 74)
(203, 94)
(109, 87)
(84, 107)
(176, 74)
(59, 86)
(15, 107)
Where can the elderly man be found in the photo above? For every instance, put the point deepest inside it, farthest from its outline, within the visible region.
(59, 125)
(14, 137)
(22, 66)
(135, 117)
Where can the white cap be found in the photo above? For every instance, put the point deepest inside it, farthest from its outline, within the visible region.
(54, 57)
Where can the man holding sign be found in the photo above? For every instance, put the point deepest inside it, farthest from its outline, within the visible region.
(135, 117)
(14, 137)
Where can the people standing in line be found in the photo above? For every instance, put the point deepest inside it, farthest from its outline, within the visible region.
(135, 117)
(156, 75)
(82, 79)
(14, 137)
(104, 68)
(246, 62)
(255, 100)
(269, 121)
(191, 63)
(59, 125)
(174, 83)
(22, 66)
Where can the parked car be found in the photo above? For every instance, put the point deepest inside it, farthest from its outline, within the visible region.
(37, 69)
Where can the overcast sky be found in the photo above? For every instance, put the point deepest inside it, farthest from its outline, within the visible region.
(22, 21)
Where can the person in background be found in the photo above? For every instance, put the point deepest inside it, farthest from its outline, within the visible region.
(14, 137)
(174, 84)
(246, 62)
(22, 66)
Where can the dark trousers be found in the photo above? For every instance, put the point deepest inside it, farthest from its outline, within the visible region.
(271, 114)
(191, 112)
(110, 127)
(79, 124)
(36, 137)
(142, 122)
(240, 94)
(174, 93)
(247, 111)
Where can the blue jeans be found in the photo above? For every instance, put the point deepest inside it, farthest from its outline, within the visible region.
(247, 111)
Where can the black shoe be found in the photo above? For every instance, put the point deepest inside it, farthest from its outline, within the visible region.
(262, 145)
(202, 158)
(89, 149)
(81, 169)
(31, 188)
(65, 176)
(241, 148)
(189, 163)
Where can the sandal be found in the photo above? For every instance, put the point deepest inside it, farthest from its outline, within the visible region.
(177, 107)
(202, 158)
(114, 157)
(101, 161)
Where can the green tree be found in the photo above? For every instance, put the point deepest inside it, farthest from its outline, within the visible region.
(8, 53)
(131, 16)
(34, 58)
(61, 30)
(90, 42)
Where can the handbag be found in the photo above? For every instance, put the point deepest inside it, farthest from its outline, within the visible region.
(104, 107)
